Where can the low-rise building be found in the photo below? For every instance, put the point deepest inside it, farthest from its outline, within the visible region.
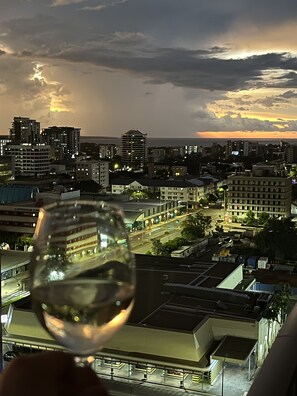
(98, 171)
(189, 320)
(189, 191)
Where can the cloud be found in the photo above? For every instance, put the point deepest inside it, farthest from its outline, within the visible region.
(289, 94)
(65, 2)
(106, 4)
(220, 65)
(209, 122)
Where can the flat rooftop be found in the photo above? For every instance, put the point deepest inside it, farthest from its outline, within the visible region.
(171, 294)
(179, 294)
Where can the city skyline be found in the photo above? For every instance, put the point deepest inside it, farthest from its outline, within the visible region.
(167, 68)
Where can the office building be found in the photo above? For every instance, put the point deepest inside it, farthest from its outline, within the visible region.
(24, 130)
(134, 150)
(64, 141)
(261, 190)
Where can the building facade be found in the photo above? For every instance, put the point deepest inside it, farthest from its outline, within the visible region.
(108, 151)
(134, 150)
(4, 140)
(64, 141)
(97, 171)
(24, 130)
(262, 190)
(30, 159)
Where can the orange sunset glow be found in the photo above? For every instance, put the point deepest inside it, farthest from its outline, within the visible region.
(246, 135)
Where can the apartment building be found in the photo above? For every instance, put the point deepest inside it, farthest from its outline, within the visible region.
(30, 159)
(108, 151)
(134, 149)
(64, 141)
(97, 171)
(264, 189)
(186, 191)
(24, 130)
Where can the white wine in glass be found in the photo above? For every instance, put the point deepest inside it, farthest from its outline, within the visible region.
(82, 274)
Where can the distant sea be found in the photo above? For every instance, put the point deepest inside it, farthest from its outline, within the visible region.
(171, 142)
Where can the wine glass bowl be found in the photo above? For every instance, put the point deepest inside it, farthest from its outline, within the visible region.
(82, 274)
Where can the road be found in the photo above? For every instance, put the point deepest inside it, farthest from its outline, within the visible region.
(141, 240)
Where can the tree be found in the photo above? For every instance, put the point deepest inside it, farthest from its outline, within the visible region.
(263, 218)
(25, 240)
(249, 219)
(165, 249)
(195, 226)
(278, 239)
(158, 247)
(278, 308)
(203, 201)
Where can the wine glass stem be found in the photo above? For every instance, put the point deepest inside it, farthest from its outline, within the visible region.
(84, 361)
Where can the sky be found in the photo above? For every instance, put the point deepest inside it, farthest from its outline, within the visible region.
(169, 68)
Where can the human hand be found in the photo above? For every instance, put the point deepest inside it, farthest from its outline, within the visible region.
(49, 374)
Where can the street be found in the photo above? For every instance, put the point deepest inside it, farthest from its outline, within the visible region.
(141, 240)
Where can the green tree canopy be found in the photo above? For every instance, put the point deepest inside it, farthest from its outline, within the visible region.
(249, 219)
(165, 249)
(195, 226)
(263, 218)
(278, 239)
(278, 308)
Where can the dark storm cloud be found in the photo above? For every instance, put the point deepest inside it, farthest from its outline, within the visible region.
(289, 94)
(164, 44)
(184, 68)
(85, 39)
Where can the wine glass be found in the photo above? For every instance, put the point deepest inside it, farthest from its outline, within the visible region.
(82, 274)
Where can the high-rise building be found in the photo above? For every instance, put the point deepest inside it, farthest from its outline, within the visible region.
(24, 130)
(134, 149)
(64, 141)
(262, 190)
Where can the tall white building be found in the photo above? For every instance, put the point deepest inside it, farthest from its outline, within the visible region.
(30, 159)
(134, 149)
(97, 171)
